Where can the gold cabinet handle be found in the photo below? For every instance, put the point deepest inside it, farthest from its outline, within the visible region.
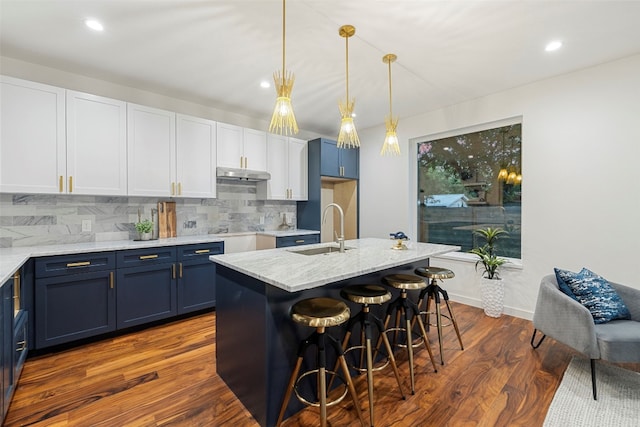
(202, 251)
(143, 257)
(173, 271)
(241, 162)
(21, 345)
(79, 264)
(61, 184)
(70, 184)
(300, 241)
(111, 279)
(173, 188)
(246, 163)
(179, 189)
(181, 270)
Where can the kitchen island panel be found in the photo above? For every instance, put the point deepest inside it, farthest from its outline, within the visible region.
(257, 342)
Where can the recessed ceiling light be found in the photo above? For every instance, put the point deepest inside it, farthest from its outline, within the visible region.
(554, 45)
(265, 84)
(93, 24)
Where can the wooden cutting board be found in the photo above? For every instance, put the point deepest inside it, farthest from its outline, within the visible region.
(167, 219)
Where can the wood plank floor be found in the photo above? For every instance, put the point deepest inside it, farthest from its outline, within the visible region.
(166, 376)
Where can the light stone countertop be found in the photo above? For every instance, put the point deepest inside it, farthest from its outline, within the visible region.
(287, 233)
(292, 272)
(11, 259)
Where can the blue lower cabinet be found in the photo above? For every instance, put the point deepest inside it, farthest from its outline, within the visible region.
(20, 343)
(197, 276)
(298, 240)
(75, 306)
(145, 294)
(6, 346)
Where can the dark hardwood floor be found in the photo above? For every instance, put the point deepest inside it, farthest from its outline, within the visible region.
(166, 376)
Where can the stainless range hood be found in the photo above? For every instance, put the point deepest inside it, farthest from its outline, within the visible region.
(242, 174)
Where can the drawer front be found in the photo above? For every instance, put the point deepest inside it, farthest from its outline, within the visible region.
(138, 257)
(201, 250)
(60, 265)
(307, 239)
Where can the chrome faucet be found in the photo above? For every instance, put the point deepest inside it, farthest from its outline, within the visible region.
(340, 240)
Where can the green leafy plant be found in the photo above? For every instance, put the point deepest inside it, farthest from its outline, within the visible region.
(144, 226)
(489, 260)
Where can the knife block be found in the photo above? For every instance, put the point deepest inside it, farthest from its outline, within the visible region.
(167, 219)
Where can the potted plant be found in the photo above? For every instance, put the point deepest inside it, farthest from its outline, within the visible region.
(144, 229)
(491, 285)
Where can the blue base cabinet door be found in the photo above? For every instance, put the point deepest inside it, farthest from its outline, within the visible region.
(6, 345)
(197, 276)
(72, 307)
(145, 294)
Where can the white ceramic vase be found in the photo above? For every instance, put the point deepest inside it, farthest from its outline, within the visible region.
(492, 293)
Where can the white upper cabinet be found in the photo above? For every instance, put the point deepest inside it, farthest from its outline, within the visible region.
(298, 173)
(196, 157)
(287, 164)
(32, 137)
(96, 145)
(255, 149)
(241, 148)
(151, 135)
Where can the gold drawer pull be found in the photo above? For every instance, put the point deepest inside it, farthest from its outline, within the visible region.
(79, 264)
(203, 251)
(299, 241)
(111, 279)
(148, 257)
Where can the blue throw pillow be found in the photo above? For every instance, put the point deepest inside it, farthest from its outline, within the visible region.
(595, 293)
(562, 277)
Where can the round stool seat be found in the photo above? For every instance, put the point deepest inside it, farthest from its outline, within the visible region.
(404, 281)
(320, 312)
(435, 272)
(366, 294)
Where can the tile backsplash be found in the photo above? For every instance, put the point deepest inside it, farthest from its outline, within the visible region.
(42, 219)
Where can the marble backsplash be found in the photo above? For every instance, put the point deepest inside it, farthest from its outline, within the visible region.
(42, 219)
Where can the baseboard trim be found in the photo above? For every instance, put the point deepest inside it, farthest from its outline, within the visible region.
(511, 311)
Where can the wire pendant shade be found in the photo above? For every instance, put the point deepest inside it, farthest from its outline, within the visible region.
(348, 136)
(283, 120)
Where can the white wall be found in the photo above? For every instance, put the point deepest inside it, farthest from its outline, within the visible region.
(581, 199)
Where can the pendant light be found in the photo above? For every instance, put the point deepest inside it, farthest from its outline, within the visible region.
(348, 136)
(390, 145)
(283, 120)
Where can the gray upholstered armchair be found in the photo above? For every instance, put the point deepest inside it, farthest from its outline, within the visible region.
(569, 322)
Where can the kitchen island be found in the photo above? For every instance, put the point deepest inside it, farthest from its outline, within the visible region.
(256, 341)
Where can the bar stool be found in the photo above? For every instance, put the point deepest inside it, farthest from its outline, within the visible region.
(366, 295)
(404, 306)
(320, 313)
(433, 292)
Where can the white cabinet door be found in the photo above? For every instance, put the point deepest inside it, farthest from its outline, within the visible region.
(277, 166)
(196, 157)
(151, 135)
(229, 146)
(255, 149)
(241, 147)
(96, 145)
(32, 137)
(298, 174)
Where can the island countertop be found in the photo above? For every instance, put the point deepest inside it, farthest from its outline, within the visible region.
(293, 272)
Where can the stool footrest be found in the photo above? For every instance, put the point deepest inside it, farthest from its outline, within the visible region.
(317, 403)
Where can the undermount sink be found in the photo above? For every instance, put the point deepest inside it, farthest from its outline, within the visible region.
(318, 251)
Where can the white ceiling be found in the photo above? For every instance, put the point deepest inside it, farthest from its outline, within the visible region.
(217, 52)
